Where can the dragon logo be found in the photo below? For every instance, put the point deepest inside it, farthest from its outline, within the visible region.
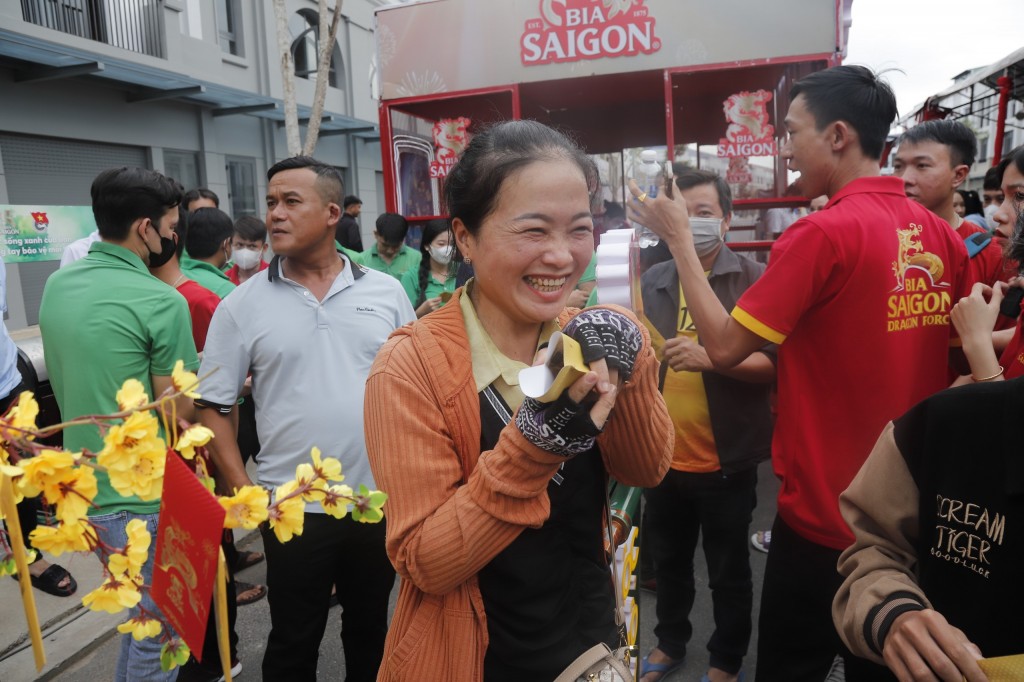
(451, 135)
(912, 255)
(749, 132)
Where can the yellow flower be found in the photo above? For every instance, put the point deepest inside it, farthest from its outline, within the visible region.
(140, 627)
(286, 516)
(246, 508)
(191, 438)
(129, 561)
(74, 494)
(145, 478)
(114, 595)
(336, 500)
(184, 382)
(328, 469)
(132, 395)
(45, 471)
(124, 442)
(65, 537)
(22, 417)
(306, 478)
(368, 505)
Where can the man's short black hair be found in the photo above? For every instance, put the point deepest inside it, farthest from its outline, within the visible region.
(328, 180)
(200, 193)
(993, 179)
(120, 196)
(957, 137)
(853, 94)
(208, 228)
(687, 177)
(392, 227)
(352, 199)
(251, 229)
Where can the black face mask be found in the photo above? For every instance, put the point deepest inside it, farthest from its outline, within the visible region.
(167, 249)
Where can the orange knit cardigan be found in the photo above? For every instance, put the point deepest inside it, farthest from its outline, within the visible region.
(452, 509)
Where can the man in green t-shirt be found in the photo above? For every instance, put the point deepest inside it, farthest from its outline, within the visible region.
(389, 253)
(207, 245)
(105, 319)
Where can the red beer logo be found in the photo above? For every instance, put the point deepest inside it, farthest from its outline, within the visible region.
(573, 30)
(749, 132)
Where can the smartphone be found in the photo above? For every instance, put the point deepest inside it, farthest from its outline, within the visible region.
(1011, 302)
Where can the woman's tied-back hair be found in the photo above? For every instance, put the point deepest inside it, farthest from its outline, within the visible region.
(496, 153)
(431, 229)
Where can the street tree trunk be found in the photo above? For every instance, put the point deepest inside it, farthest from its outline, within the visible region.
(323, 67)
(291, 111)
(326, 34)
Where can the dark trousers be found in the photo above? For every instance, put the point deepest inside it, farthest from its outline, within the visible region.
(300, 573)
(678, 510)
(796, 638)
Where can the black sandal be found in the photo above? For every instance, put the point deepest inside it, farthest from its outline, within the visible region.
(49, 581)
(246, 560)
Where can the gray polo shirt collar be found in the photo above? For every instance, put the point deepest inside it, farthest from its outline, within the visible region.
(274, 271)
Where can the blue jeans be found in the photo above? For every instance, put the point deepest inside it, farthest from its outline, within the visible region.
(138, 661)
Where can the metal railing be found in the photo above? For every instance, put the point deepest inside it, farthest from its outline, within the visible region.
(135, 25)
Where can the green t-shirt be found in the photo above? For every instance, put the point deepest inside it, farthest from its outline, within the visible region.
(406, 259)
(354, 256)
(411, 283)
(206, 276)
(105, 319)
(590, 274)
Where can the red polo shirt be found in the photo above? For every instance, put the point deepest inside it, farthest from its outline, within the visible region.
(858, 297)
(232, 272)
(201, 304)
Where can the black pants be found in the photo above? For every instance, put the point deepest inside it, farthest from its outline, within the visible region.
(300, 573)
(796, 638)
(681, 507)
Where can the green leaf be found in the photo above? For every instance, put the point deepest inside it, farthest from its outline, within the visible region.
(378, 498)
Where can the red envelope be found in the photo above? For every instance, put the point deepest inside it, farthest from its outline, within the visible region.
(187, 548)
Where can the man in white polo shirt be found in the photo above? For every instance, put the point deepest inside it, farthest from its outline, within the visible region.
(307, 330)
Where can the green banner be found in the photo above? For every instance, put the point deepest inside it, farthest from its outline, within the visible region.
(37, 233)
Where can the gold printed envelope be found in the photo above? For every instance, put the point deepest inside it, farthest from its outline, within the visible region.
(563, 367)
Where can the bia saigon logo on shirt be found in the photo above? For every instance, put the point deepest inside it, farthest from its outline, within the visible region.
(913, 302)
(573, 30)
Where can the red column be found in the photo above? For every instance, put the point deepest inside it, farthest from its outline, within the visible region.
(1003, 84)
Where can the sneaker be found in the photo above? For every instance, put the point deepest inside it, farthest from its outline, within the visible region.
(761, 540)
(236, 670)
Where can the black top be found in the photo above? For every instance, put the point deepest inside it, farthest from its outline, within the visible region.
(548, 595)
(347, 233)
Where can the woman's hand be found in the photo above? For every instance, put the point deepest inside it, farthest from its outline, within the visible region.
(566, 426)
(974, 316)
(428, 306)
(607, 336)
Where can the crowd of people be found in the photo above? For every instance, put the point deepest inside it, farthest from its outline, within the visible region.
(892, 553)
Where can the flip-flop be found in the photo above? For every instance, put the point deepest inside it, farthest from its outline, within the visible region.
(247, 560)
(258, 592)
(49, 581)
(662, 669)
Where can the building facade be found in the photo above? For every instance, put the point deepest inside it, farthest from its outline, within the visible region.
(191, 88)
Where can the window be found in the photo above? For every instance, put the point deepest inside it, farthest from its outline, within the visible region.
(305, 27)
(183, 167)
(242, 187)
(228, 29)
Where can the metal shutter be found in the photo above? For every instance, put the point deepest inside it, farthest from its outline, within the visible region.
(55, 172)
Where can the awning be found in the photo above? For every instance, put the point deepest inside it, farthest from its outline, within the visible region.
(987, 77)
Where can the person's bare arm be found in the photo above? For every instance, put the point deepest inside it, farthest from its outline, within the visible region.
(183, 406)
(922, 645)
(224, 447)
(686, 355)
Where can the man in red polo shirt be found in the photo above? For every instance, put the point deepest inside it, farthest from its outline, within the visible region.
(857, 297)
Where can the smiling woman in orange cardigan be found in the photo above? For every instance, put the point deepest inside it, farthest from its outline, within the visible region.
(458, 512)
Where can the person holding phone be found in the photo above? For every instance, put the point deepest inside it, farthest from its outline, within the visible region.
(435, 276)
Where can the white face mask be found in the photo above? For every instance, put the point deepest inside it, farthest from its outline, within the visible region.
(442, 254)
(246, 259)
(707, 234)
(990, 211)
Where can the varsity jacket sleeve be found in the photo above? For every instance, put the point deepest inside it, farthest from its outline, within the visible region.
(881, 508)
